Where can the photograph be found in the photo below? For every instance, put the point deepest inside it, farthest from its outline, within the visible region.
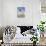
(20, 12)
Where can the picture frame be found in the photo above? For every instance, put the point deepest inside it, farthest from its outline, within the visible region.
(21, 12)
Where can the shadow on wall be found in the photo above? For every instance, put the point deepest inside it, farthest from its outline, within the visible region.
(1, 32)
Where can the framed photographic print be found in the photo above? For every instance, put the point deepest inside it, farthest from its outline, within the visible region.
(20, 12)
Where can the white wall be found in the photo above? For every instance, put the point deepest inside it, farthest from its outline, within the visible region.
(36, 12)
(1, 18)
(9, 13)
